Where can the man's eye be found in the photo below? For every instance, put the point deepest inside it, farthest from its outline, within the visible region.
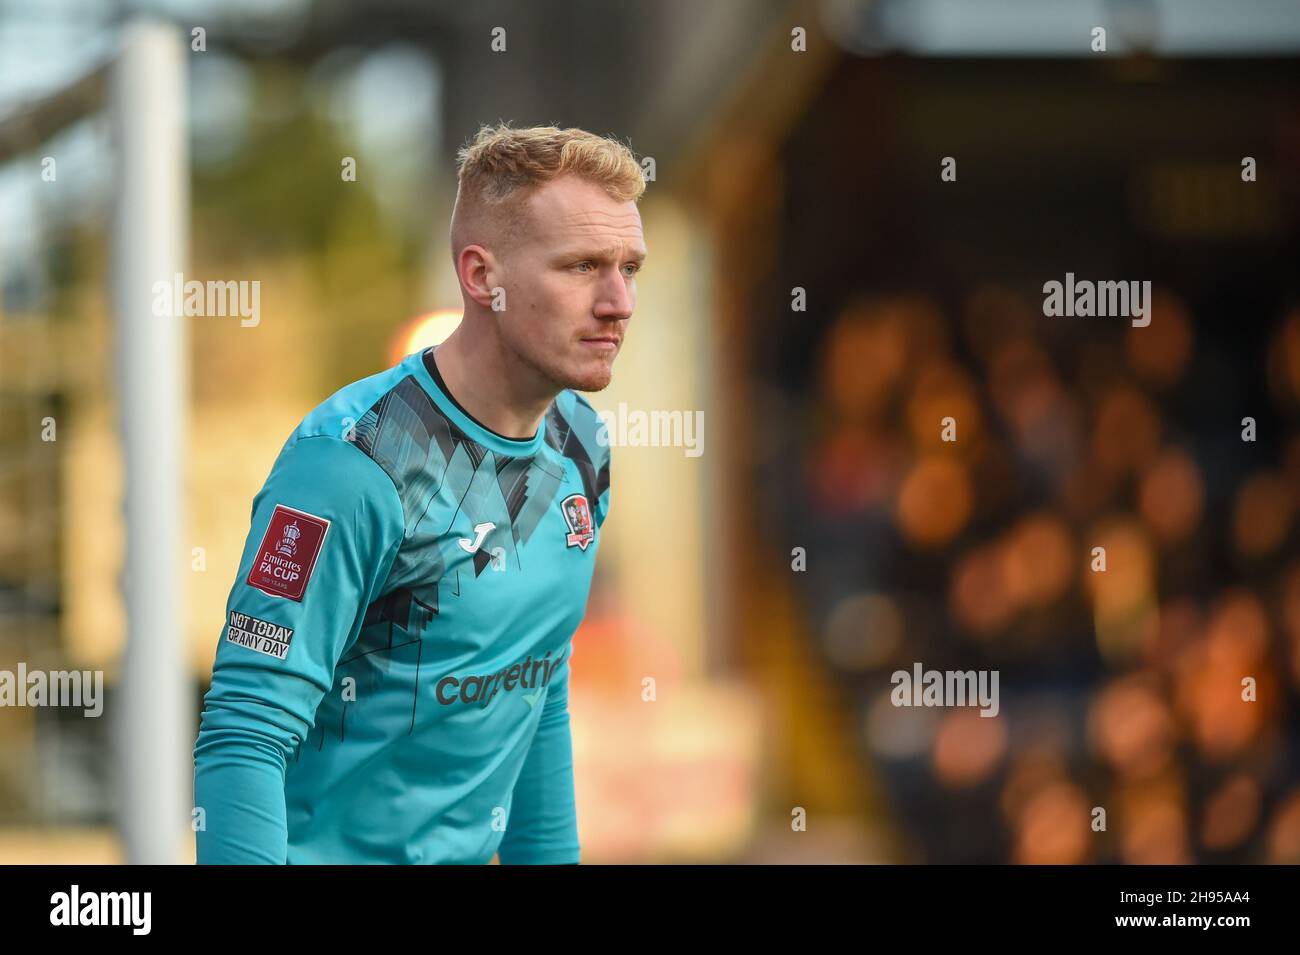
(581, 264)
(634, 268)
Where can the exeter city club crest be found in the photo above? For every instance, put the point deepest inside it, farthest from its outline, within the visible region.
(577, 514)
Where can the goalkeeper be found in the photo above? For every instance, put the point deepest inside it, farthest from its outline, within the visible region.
(391, 681)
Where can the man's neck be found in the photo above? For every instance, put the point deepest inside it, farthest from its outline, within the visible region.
(487, 386)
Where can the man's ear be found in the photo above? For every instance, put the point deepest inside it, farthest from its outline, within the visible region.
(474, 268)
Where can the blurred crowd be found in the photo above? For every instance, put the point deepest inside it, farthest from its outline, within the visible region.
(952, 476)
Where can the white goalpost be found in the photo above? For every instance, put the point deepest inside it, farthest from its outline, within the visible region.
(150, 226)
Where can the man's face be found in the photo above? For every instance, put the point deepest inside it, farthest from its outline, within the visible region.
(571, 283)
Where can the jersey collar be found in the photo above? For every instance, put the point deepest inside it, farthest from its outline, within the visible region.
(514, 447)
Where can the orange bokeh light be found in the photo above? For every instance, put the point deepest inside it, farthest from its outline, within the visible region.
(423, 331)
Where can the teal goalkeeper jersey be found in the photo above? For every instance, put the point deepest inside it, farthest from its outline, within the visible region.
(391, 680)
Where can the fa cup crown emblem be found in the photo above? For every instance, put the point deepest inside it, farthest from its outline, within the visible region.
(287, 555)
(289, 542)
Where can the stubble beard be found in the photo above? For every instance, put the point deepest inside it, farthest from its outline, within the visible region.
(595, 377)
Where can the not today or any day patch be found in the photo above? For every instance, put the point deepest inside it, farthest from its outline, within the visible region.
(258, 634)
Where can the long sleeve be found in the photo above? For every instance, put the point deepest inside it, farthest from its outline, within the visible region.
(543, 824)
(325, 528)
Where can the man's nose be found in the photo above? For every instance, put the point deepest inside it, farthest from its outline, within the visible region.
(616, 299)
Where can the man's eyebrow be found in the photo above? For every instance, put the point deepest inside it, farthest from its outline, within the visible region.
(606, 253)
